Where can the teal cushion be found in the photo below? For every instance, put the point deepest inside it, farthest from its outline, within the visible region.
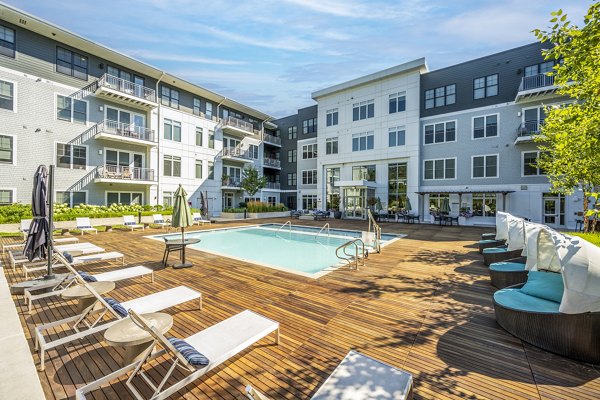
(544, 285)
(486, 241)
(490, 250)
(507, 266)
(485, 236)
(516, 299)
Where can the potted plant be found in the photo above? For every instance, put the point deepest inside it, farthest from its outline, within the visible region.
(225, 179)
(335, 206)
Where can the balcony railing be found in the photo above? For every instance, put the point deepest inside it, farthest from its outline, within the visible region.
(272, 162)
(126, 130)
(272, 139)
(235, 152)
(127, 87)
(536, 82)
(230, 182)
(528, 128)
(125, 172)
(233, 122)
(272, 185)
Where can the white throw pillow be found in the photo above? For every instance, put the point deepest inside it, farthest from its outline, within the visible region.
(502, 225)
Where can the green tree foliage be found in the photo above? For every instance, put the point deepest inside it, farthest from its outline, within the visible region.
(251, 181)
(570, 136)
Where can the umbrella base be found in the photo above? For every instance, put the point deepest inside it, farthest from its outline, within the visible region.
(183, 265)
(48, 277)
(41, 283)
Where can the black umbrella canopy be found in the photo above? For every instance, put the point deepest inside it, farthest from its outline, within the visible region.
(39, 232)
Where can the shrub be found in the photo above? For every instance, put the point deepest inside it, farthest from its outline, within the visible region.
(234, 210)
(259, 207)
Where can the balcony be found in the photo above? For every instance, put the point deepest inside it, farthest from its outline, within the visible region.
(271, 163)
(272, 186)
(231, 184)
(236, 154)
(124, 174)
(535, 86)
(125, 92)
(125, 133)
(272, 140)
(237, 127)
(526, 131)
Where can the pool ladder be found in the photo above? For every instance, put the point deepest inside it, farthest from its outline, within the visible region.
(325, 227)
(356, 259)
(284, 225)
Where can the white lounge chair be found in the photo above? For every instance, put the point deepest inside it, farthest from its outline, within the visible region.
(84, 225)
(217, 343)
(160, 220)
(24, 228)
(199, 219)
(129, 221)
(17, 257)
(21, 245)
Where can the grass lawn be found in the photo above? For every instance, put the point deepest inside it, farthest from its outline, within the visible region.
(590, 237)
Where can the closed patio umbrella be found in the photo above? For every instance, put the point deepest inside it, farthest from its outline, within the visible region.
(445, 207)
(39, 236)
(182, 218)
(202, 204)
(408, 206)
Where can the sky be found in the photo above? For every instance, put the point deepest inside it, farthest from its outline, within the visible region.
(272, 54)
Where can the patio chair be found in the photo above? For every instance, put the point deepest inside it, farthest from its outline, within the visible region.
(514, 246)
(160, 220)
(89, 321)
(199, 219)
(501, 235)
(129, 221)
(79, 260)
(84, 225)
(24, 228)
(195, 355)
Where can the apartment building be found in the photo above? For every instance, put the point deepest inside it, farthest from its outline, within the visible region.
(119, 130)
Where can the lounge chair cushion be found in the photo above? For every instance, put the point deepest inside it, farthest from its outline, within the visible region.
(544, 285)
(193, 356)
(84, 227)
(68, 257)
(129, 223)
(495, 250)
(507, 266)
(87, 277)
(486, 241)
(119, 309)
(516, 299)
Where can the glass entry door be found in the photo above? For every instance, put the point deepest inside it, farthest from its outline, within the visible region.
(355, 202)
(553, 209)
(227, 200)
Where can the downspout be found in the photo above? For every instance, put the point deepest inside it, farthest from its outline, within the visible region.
(215, 160)
(158, 139)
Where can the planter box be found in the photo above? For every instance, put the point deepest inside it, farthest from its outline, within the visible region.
(275, 214)
(462, 220)
(232, 215)
(95, 222)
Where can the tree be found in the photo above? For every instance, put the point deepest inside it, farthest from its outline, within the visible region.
(251, 182)
(570, 137)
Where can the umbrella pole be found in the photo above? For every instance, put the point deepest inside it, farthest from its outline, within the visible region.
(50, 275)
(182, 247)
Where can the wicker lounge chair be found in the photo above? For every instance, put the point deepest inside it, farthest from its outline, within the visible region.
(501, 236)
(514, 246)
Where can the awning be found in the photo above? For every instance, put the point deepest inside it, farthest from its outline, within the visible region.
(359, 184)
(504, 192)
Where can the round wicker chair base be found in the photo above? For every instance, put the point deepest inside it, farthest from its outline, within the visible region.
(495, 243)
(502, 279)
(489, 258)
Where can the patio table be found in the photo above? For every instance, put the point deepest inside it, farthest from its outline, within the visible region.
(84, 296)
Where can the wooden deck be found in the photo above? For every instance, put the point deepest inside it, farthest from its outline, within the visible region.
(423, 304)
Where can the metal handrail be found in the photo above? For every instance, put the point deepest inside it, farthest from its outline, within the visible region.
(109, 171)
(239, 124)
(287, 223)
(349, 258)
(126, 130)
(271, 139)
(328, 231)
(272, 162)
(127, 87)
(376, 231)
(536, 81)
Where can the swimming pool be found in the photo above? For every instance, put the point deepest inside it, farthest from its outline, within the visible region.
(298, 250)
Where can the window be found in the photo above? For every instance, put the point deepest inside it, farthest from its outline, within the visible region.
(542, 68)
(7, 41)
(397, 102)
(441, 96)
(484, 127)
(169, 97)
(196, 106)
(440, 169)
(253, 151)
(309, 151)
(292, 132)
(6, 195)
(72, 199)
(331, 145)
(440, 133)
(172, 130)
(7, 152)
(211, 139)
(309, 177)
(199, 134)
(332, 192)
(291, 179)
(530, 167)
(486, 86)
(533, 119)
(71, 156)
(198, 169)
(126, 198)
(71, 110)
(271, 200)
(331, 117)
(397, 174)
(7, 95)
(309, 201)
(209, 110)
(292, 154)
(364, 172)
(396, 136)
(363, 110)
(485, 166)
(484, 204)
(309, 126)
(168, 199)
(363, 141)
(70, 63)
(172, 165)
(211, 170)
(436, 200)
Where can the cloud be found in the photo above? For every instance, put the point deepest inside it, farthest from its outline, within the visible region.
(164, 56)
(363, 10)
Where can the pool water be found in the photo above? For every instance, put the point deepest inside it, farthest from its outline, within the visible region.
(298, 250)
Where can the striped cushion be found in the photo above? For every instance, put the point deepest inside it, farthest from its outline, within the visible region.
(193, 356)
(87, 277)
(68, 257)
(159, 221)
(119, 309)
(85, 227)
(129, 223)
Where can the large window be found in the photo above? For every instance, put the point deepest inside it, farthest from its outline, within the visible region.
(292, 132)
(71, 156)
(198, 169)
(542, 68)
(363, 110)
(72, 199)
(196, 106)
(309, 201)
(309, 126)
(292, 155)
(309, 151)
(486, 86)
(436, 200)
(331, 145)
(172, 130)
(485, 166)
(7, 95)
(7, 41)
(168, 199)
(331, 117)
(211, 139)
(169, 97)
(440, 169)
(6, 196)
(309, 177)
(209, 110)
(332, 198)
(253, 151)
(440, 133)
(172, 166)
(291, 179)
(397, 174)
(441, 96)
(397, 102)
(199, 136)
(211, 170)
(364, 172)
(484, 204)
(485, 127)
(7, 152)
(396, 136)
(363, 141)
(71, 110)
(530, 164)
(126, 198)
(70, 63)
(533, 119)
